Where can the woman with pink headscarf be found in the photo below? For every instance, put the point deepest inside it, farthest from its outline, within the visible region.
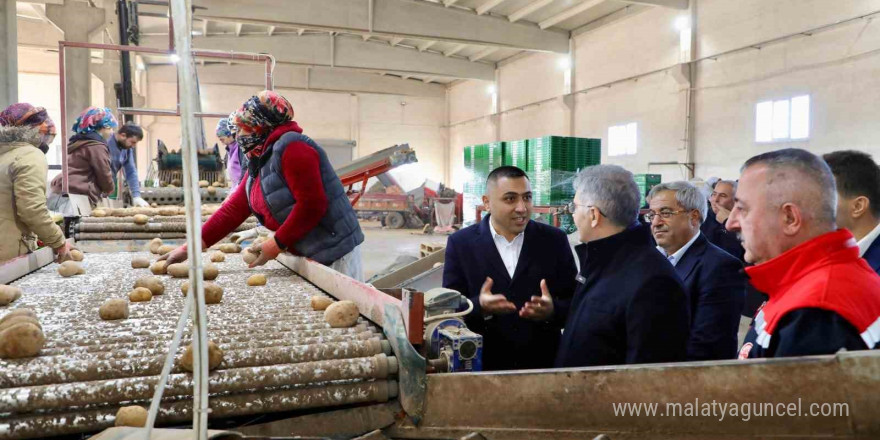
(25, 133)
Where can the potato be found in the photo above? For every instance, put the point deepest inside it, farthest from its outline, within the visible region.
(178, 270)
(99, 213)
(168, 212)
(70, 268)
(153, 284)
(175, 182)
(8, 294)
(165, 248)
(210, 272)
(158, 268)
(211, 190)
(140, 263)
(215, 357)
(341, 314)
(18, 319)
(76, 255)
(21, 340)
(140, 294)
(113, 309)
(204, 183)
(230, 248)
(249, 256)
(141, 219)
(217, 184)
(321, 302)
(134, 416)
(155, 244)
(218, 257)
(256, 280)
(17, 312)
(213, 292)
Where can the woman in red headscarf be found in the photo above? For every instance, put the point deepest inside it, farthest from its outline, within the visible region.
(25, 134)
(291, 188)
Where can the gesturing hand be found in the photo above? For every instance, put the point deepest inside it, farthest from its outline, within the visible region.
(539, 308)
(494, 303)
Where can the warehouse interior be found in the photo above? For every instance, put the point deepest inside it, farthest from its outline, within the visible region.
(412, 106)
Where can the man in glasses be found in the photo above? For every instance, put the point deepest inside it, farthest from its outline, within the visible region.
(629, 306)
(713, 279)
(506, 266)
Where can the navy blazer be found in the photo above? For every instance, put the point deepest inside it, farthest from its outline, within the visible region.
(629, 307)
(510, 342)
(872, 255)
(715, 285)
(718, 235)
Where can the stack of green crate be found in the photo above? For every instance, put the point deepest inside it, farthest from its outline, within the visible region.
(553, 162)
(645, 183)
(516, 154)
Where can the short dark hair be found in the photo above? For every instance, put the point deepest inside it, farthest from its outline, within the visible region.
(508, 171)
(131, 130)
(856, 175)
(808, 165)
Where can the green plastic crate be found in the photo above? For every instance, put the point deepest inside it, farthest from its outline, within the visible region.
(645, 182)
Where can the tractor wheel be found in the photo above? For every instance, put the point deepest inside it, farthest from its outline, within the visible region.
(394, 220)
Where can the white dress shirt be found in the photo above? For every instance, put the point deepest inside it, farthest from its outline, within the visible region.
(868, 240)
(676, 257)
(509, 250)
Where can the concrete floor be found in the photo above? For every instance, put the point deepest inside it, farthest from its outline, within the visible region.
(382, 246)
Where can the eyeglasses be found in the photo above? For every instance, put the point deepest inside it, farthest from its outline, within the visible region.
(572, 206)
(665, 215)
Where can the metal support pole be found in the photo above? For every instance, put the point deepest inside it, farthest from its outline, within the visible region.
(63, 130)
(181, 14)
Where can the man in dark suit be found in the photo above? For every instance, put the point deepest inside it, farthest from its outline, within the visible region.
(714, 280)
(501, 264)
(713, 227)
(858, 200)
(629, 306)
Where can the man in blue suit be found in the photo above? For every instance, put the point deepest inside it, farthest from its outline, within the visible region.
(714, 280)
(858, 200)
(713, 227)
(629, 306)
(501, 264)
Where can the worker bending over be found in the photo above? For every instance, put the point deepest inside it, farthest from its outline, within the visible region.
(25, 134)
(121, 146)
(822, 296)
(291, 188)
(503, 264)
(88, 164)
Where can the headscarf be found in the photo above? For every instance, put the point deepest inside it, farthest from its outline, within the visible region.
(94, 119)
(258, 117)
(26, 115)
(225, 128)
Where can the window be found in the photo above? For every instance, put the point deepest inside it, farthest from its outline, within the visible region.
(783, 120)
(622, 139)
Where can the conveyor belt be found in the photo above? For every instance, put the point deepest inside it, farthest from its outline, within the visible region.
(279, 355)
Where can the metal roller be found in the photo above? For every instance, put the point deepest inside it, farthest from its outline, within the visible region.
(332, 395)
(59, 396)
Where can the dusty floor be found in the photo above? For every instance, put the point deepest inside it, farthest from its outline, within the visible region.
(383, 246)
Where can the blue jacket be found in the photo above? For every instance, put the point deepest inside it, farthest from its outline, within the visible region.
(510, 342)
(715, 286)
(124, 158)
(718, 235)
(337, 233)
(872, 256)
(629, 306)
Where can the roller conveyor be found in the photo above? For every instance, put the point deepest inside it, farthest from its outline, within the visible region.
(279, 355)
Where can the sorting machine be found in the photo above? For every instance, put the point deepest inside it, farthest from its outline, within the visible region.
(285, 373)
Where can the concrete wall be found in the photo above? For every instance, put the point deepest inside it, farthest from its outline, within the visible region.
(839, 68)
(375, 122)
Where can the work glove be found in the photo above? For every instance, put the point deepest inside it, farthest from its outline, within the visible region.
(139, 202)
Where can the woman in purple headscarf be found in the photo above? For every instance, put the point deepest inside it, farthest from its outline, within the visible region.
(235, 160)
(25, 134)
(88, 162)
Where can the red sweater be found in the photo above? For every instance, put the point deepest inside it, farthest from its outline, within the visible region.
(300, 165)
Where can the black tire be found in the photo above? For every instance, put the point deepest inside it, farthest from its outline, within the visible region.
(394, 220)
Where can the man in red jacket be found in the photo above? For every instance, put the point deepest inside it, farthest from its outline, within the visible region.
(291, 188)
(822, 296)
